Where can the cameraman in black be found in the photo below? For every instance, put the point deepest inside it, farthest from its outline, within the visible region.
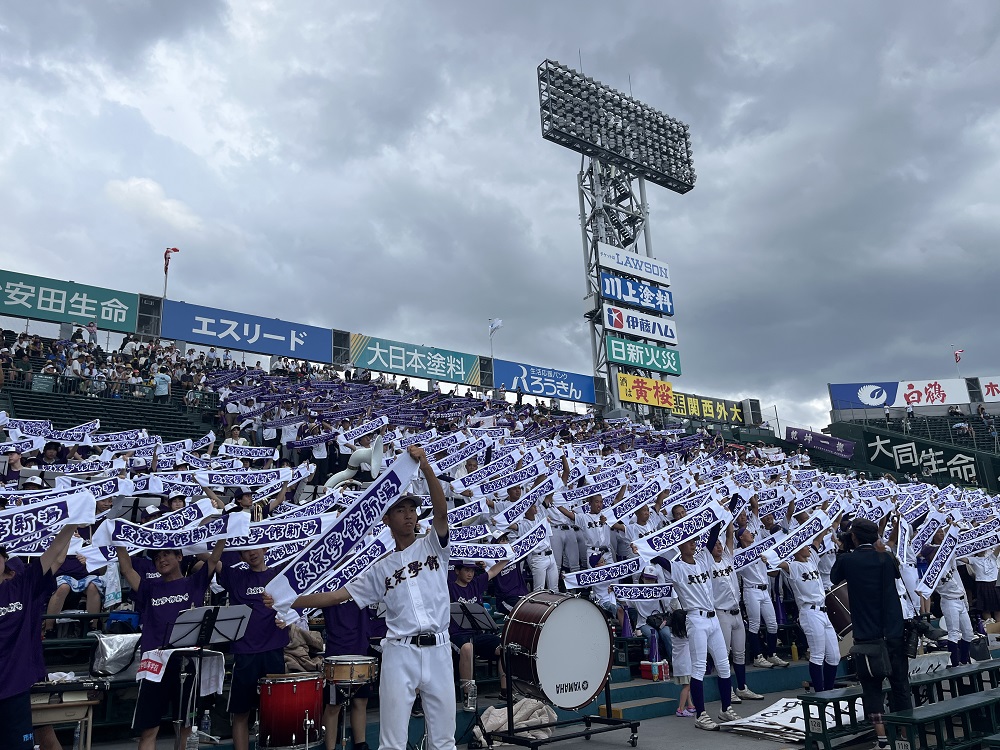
(877, 615)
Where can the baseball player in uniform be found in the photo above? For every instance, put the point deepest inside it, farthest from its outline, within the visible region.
(759, 607)
(412, 583)
(691, 577)
(810, 597)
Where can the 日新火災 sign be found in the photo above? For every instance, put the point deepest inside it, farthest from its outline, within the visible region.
(41, 298)
(428, 362)
(249, 333)
(543, 381)
(644, 356)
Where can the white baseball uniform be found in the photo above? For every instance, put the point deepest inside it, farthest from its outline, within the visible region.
(807, 588)
(413, 585)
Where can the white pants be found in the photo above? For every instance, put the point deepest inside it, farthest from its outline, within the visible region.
(956, 612)
(704, 638)
(544, 573)
(759, 606)
(404, 669)
(734, 634)
(564, 547)
(820, 635)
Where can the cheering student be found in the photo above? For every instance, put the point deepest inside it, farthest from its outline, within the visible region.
(726, 594)
(759, 607)
(691, 578)
(468, 588)
(23, 591)
(412, 582)
(810, 597)
(261, 651)
(158, 602)
(346, 629)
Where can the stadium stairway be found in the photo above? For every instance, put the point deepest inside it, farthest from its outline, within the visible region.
(69, 410)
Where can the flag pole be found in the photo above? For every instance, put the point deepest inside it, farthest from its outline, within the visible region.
(955, 354)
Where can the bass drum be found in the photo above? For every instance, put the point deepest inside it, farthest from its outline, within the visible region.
(291, 711)
(562, 649)
(838, 609)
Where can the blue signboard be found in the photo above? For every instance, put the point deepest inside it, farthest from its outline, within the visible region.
(637, 293)
(225, 329)
(543, 381)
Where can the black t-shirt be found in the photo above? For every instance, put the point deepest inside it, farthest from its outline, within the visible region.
(871, 585)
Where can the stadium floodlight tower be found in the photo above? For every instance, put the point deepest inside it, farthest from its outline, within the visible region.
(624, 143)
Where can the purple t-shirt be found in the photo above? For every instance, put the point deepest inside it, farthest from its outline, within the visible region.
(247, 587)
(471, 594)
(22, 600)
(73, 568)
(158, 603)
(510, 583)
(144, 567)
(346, 627)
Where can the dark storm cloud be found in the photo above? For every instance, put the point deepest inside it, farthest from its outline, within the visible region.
(378, 167)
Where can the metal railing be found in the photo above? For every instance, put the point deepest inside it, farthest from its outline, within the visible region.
(42, 382)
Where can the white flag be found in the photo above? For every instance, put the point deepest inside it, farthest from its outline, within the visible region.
(495, 325)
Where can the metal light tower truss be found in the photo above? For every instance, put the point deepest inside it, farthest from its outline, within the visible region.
(624, 144)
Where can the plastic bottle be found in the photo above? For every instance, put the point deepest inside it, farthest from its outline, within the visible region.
(206, 723)
(76, 737)
(795, 652)
(654, 667)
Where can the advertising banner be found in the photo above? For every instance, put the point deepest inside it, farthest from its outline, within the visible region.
(40, 298)
(708, 407)
(991, 388)
(225, 329)
(821, 442)
(635, 323)
(383, 355)
(638, 390)
(632, 264)
(646, 356)
(920, 457)
(637, 293)
(543, 381)
(897, 394)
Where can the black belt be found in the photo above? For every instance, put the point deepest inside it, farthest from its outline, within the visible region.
(424, 639)
(602, 549)
(814, 606)
(563, 528)
(546, 552)
(760, 586)
(703, 612)
(732, 611)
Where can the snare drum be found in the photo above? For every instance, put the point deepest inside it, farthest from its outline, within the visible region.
(291, 710)
(564, 654)
(350, 670)
(838, 609)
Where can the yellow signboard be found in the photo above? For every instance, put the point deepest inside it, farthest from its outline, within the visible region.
(645, 391)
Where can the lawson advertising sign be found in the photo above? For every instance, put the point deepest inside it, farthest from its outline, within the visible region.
(895, 394)
(635, 323)
(544, 381)
(616, 260)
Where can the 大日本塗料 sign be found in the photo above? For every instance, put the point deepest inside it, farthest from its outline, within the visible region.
(428, 362)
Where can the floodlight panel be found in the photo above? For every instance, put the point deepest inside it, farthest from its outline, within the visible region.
(595, 120)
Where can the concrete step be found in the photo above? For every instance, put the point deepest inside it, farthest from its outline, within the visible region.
(644, 708)
(620, 674)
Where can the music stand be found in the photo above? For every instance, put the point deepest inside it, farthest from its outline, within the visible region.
(474, 617)
(197, 628)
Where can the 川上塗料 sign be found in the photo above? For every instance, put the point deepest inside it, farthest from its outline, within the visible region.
(637, 293)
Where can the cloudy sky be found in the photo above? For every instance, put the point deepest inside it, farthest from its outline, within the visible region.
(378, 167)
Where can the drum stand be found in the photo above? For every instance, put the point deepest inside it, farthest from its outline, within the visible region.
(347, 691)
(514, 736)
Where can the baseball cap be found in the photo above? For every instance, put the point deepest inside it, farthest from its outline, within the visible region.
(238, 493)
(35, 480)
(172, 495)
(649, 572)
(407, 498)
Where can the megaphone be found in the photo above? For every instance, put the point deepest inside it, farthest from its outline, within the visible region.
(371, 456)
